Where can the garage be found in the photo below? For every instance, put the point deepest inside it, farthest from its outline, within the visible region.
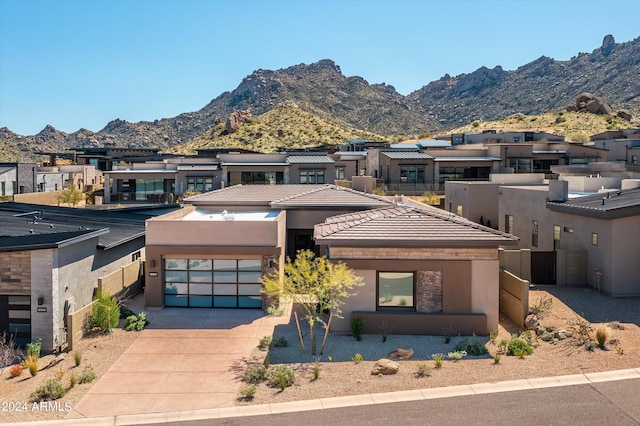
(212, 283)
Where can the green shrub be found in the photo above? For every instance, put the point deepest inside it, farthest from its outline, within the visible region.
(496, 358)
(357, 358)
(279, 342)
(73, 379)
(274, 311)
(281, 377)
(472, 346)
(316, 370)
(105, 312)
(423, 369)
(32, 349)
(265, 342)
(518, 347)
(87, 375)
(255, 374)
(437, 359)
(51, 390)
(248, 391)
(493, 335)
(136, 323)
(357, 325)
(457, 355)
(77, 358)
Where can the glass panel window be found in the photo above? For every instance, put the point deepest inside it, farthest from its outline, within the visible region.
(224, 276)
(200, 276)
(249, 265)
(395, 289)
(311, 176)
(534, 233)
(508, 224)
(459, 209)
(594, 239)
(225, 289)
(339, 173)
(200, 264)
(249, 277)
(224, 265)
(203, 289)
(176, 276)
(176, 264)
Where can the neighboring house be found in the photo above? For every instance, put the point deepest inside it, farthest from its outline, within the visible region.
(621, 145)
(25, 173)
(8, 181)
(493, 136)
(590, 240)
(425, 271)
(52, 258)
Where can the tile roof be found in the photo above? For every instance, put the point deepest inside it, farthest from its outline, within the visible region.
(309, 159)
(54, 224)
(611, 205)
(331, 196)
(468, 158)
(248, 194)
(406, 225)
(404, 155)
(288, 196)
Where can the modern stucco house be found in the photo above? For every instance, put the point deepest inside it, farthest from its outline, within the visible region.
(51, 259)
(214, 251)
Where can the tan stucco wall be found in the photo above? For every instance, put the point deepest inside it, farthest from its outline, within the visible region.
(363, 300)
(485, 289)
(625, 255)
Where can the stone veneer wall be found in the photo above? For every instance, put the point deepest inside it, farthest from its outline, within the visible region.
(15, 273)
(416, 253)
(429, 291)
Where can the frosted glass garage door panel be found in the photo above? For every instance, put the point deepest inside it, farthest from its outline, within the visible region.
(249, 302)
(200, 276)
(200, 264)
(224, 265)
(180, 301)
(176, 288)
(249, 265)
(249, 289)
(225, 289)
(200, 289)
(176, 276)
(224, 276)
(249, 277)
(176, 264)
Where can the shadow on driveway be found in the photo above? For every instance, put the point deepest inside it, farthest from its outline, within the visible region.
(596, 307)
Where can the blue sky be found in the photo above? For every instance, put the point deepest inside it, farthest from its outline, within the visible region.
(76, 64)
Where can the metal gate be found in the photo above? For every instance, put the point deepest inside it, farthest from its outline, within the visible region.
(543, 267)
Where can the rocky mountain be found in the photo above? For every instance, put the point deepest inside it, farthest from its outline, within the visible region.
(612, 71)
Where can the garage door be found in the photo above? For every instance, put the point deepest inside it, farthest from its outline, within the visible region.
(15, 317)
(213, 283)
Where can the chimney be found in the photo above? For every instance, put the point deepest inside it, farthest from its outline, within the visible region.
(558, 190)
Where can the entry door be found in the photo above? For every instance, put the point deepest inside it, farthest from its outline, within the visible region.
(543, 267)
(15, 317)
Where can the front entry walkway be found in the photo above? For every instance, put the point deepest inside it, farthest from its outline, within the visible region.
(187, 359)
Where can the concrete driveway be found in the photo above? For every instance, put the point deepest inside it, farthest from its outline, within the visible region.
(187, 359)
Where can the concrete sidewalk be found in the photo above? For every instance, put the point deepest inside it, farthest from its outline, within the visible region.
(188, 359)
(354, 400)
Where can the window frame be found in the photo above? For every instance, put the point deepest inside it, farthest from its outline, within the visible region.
(411, 306)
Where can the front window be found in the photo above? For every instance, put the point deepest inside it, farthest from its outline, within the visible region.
(508, 224)
(395, 290)
(534, 233)
(312, 176)
(339, 173)
(200, 184)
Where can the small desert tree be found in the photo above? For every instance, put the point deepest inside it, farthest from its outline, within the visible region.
(316, 285)
(71, 195)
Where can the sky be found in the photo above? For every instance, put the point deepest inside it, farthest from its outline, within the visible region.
(80, 64)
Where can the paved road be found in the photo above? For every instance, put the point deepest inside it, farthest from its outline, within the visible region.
(609, 403)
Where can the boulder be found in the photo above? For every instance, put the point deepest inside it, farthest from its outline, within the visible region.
(531, 321)
(401, 353)
(624, 115)
(586, 102)
(385, 366)
(608, 43)
(236, 119)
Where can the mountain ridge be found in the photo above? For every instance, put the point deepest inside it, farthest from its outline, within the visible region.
(321, 89)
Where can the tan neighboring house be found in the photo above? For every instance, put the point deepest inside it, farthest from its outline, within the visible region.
(214, 251)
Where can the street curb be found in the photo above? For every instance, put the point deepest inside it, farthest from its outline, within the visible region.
(351, 400)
